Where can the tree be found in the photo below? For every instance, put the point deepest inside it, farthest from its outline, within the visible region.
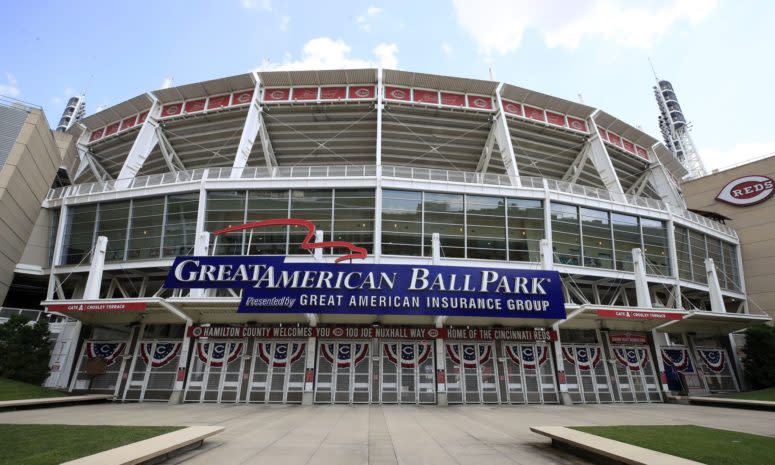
(25, 350)
(759, 363)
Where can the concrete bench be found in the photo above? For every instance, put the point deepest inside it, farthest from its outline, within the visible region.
(612, 451)
(735, 403)
(151, 449)
(53, 401)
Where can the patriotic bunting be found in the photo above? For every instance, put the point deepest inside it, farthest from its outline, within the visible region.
(470, 356)
(526, 355)
(221, 351)
(407, 355)
(282, 355)
(345, 356)
(713, 359)
(633, 358)
(163, 353)
(109, 351)
(584, 358)
(677, 358)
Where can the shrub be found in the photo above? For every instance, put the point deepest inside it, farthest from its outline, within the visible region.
(759, 364)
(24, 350)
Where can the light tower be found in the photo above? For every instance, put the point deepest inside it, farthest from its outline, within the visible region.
(675, 129)
(74, 111)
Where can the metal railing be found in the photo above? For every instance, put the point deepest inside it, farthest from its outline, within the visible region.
(388, 171)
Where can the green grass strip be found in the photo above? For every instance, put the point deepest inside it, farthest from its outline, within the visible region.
(15, 390)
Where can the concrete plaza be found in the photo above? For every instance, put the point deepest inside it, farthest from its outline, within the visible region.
(340, 434)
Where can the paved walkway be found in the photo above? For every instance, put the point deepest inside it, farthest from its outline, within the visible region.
(387, 435)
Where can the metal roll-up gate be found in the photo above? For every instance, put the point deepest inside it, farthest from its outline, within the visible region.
(215, 371)
(99, 366)
(407, 372)
(586, 373)
(277, 371)
(153, 371)
(471, 373)
(636, 379)
(528, 374)
(716, 368)
(343, 372)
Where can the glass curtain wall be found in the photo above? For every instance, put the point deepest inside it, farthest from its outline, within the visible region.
(525, 220)
(445, 214)
(692, 249)
(401, 222)
(180, 225)
(146, 231)
(267, 205)
(112, 224)
(626, 237)
(596, 231)
(566, 237)
(79, 235)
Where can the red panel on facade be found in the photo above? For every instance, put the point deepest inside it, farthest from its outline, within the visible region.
(639, 315)
(614, 139)
(512, 107)
(603, 133)
(98, 307)
(426, 96)
(112, 129)
(577, 124)
(96, 134)
(628, 146)
(193, 106)
(479, 101)
(397, 93)
(361, 92)
(141, 118)
(242, 98)
(641, 152)
(171, 109)
(333, 93)
(218, 102)
(534, 113)
(453, 100)
(555, 118)
(128, 122)
(276, 95)
(305, 93)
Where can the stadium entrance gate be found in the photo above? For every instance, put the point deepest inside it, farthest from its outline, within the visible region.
(587, 373)
(636, 379)
(277, 371)
(215, 371)
(343, 374)
(153, 370)
(528, 374)
(99, 367)
(406, 372)
(472, 374)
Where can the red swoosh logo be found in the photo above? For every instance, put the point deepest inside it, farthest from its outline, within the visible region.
(307, 243)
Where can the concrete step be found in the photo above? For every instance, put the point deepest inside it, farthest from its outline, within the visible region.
(52, 401)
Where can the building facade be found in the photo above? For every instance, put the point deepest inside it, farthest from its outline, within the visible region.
(419, 180)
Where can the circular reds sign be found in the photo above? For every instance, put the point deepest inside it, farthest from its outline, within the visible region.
(748, 190)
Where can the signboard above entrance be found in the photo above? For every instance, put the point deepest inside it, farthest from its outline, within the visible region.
(272, 285)
(639, 315)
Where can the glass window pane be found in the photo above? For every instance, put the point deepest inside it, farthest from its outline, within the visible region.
(565, 234)
(145, 232)
(180, 224)
(486, 227)
(444, 215)
(714, 253)
(312, 205)
(655, 247)
(526, 229)
(225, 209)
(113, 218)
(682, 253)
(80, 234)
(730, 266)
(354, 218)
(697, 250)
(267, 205)
(401, 222)
(626, 238)
(596, 231)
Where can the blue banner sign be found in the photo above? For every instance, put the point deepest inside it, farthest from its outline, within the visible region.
(271, 285)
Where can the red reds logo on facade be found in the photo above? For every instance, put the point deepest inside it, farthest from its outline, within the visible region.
(748, 190)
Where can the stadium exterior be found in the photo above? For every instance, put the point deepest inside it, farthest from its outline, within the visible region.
(408, 170)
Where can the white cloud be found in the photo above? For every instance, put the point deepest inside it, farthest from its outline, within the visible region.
(166, 83)
(498, 25)
(284, 22)
(360, 21)
(717, 158)
(11, 86)
(373, 11)
(447, 49)
(327, 53)
(257, 4)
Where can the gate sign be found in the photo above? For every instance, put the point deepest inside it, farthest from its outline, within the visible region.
(748, 190)
(271, 285)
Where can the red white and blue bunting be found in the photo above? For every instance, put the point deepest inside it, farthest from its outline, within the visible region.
(228, 351)
(407, 354)
(163, 353)
(470, 356)
(526, 355)
(282, 356)
(713, 358)
(678, 359)
(345, 356)
(109, 351)
(633, 358)
(584, 358)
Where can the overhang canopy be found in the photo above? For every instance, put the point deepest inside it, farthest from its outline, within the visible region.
(620, 318)
(700, 321)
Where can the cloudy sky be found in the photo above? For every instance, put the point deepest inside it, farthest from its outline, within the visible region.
(717, 53)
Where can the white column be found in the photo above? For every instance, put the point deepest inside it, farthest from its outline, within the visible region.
(135, 351)
(180, 376)
(435, 249)
(380, 107)
(503, 138)
(253, 129)
(94, 281)
(144, 143)
(56, 258)
(641, 283)
(307, 397)
(602, 162)
(673, 251)
(714, 289)
(560, 364)
(201, 244)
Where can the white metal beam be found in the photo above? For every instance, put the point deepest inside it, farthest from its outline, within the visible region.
(641, 283)
(484, 159)
(575, 169)
(144, 143)
(503, 139)
(663, 184)
(714, 289)
(640, 184)
(254, 128)
(168, 152)
(601, 159)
